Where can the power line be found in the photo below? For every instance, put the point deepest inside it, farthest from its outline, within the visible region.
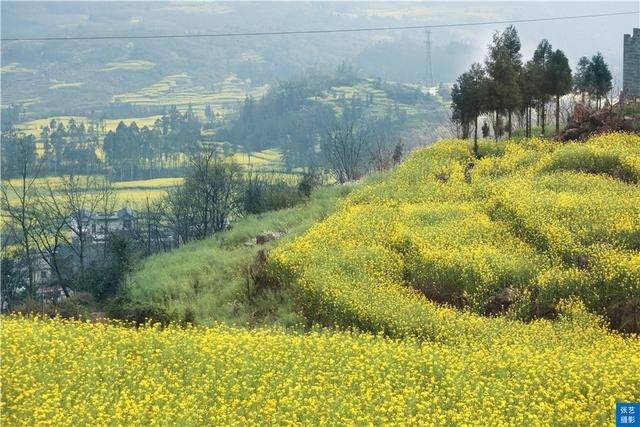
(322, 31)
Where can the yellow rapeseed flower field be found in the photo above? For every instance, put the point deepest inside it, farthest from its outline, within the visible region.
(59, 373)
(559, 225)
(545, 221)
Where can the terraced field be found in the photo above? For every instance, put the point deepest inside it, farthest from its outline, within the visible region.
(180, 90)
(128, 65)
(381, 104)
(529, 225)
(62, 85)
(15, 68)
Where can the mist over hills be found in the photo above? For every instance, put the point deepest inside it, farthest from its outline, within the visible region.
(77, 77)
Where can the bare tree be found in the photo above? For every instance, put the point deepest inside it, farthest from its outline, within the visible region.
(152, 227)
(207, 199)
(346, 149)
(18, 201)
(107, 207)
(381, 153)
(48, 235)
(179, 215)
(76, 201)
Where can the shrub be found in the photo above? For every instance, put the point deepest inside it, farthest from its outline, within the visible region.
(263, 194)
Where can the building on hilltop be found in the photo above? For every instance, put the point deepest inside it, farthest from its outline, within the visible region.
(631, 66)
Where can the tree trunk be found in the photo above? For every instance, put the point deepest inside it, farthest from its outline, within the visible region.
(542, 116)
(475, 137)
(509, 124)
(557, 114)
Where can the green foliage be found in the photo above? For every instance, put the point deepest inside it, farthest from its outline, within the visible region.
(295, 116)
(105, 279)
(503, 67)
(311, 179)
(207, 280)
(559, 74)
(262, 194)
(469, 98)
(601, 77)
(593, 77)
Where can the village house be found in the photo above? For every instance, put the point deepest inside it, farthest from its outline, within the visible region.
(98, 225)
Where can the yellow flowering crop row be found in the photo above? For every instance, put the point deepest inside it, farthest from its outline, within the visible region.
(548, 221)
(60, 373)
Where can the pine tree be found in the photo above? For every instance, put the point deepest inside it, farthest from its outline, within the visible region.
(559, 80)
(469, 96)
(529, 91)
(582, 79)
(503, 68)
(602, 79)
(540, 74)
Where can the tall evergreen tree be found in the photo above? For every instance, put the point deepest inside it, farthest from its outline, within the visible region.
(582, 79)
(559, 80)
(541, 60)
(528, 90)
(469, 99)
(602, 79)
(459, 111)
(503, 68)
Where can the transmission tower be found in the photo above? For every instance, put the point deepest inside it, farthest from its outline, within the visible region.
(429, 72)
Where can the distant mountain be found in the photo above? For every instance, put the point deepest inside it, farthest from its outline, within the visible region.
(76, 77)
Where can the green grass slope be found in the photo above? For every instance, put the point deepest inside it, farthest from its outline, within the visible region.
(206, 281)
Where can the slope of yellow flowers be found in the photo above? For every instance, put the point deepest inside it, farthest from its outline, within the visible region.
(543, 220)
(61, 373)
(559, 225)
